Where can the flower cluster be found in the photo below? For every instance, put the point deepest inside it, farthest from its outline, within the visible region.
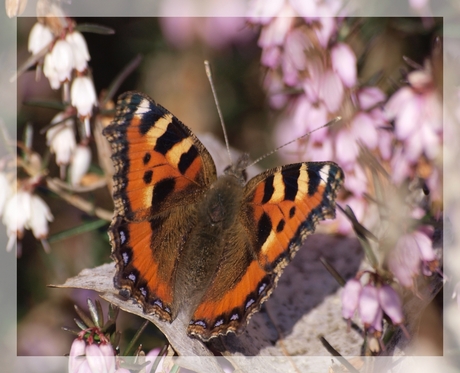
(65, 64)
(312, 76)
(372, 301)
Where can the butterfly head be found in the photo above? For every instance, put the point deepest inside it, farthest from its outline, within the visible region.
(238, 170)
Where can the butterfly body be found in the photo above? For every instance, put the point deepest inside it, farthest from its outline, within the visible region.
(187, 241)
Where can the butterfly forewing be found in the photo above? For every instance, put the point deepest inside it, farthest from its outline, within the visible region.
(159, 162)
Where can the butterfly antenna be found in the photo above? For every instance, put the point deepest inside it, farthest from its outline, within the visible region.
(209, 75)
(333, 121)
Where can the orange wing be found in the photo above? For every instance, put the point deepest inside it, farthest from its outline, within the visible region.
(161, 170)
(159, 162)
(281, 207)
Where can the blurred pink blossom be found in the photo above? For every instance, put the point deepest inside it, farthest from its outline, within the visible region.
(344, 63)
(350, 297)
(391, 304)
(411, 251)
(369, 305)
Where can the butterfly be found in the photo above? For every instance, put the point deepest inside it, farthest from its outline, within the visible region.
(185, 240)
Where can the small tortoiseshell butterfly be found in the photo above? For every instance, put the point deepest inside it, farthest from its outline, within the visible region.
(185, 240)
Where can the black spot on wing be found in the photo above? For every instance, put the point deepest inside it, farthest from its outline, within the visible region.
(162, 190)
(147, 176)
(292, 212)
(146, 158)
(186, 159)
(280, 225)
(314, 177)
(263, 229)
(268, 189)
(290, 179)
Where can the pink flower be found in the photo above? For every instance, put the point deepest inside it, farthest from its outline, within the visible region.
(350, 298)
(262, 11)
(368, 97)
(369, 305)
(275, 32)
(344, 63)
(101, 358)
(347, 149)
(331, 91)
(77, 350)
(410, 252)
(391, 304)
(356, 181)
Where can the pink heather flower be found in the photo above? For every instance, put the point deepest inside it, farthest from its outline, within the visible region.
(77, 350)
(101, 358)
(365, 129)
(405, 261)
(391, 304)
(368, 305)
(274, 33)
(79, 166)
(327, 27)
(61, 139)
(273, 83)
(331, 91)
(83, 95)
(151, 357)
(344, 64)
(347, 149)
(377, 323)
(80, 50)
(294, 57)
(417, 112)
(63, 59)
(350, 298)
(262, 11)
(368, 97)
(356, 181)
(40, 36)
(271, 57)
(308, 117)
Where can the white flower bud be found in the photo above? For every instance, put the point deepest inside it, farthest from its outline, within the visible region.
(83, 95)
(39, 217)
(80, 50)
(81, 161)
(40, 36)
(61, 139)
(63, 59)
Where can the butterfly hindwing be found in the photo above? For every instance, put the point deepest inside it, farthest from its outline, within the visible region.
(159, 162)
(284, 205)
(279, 209)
